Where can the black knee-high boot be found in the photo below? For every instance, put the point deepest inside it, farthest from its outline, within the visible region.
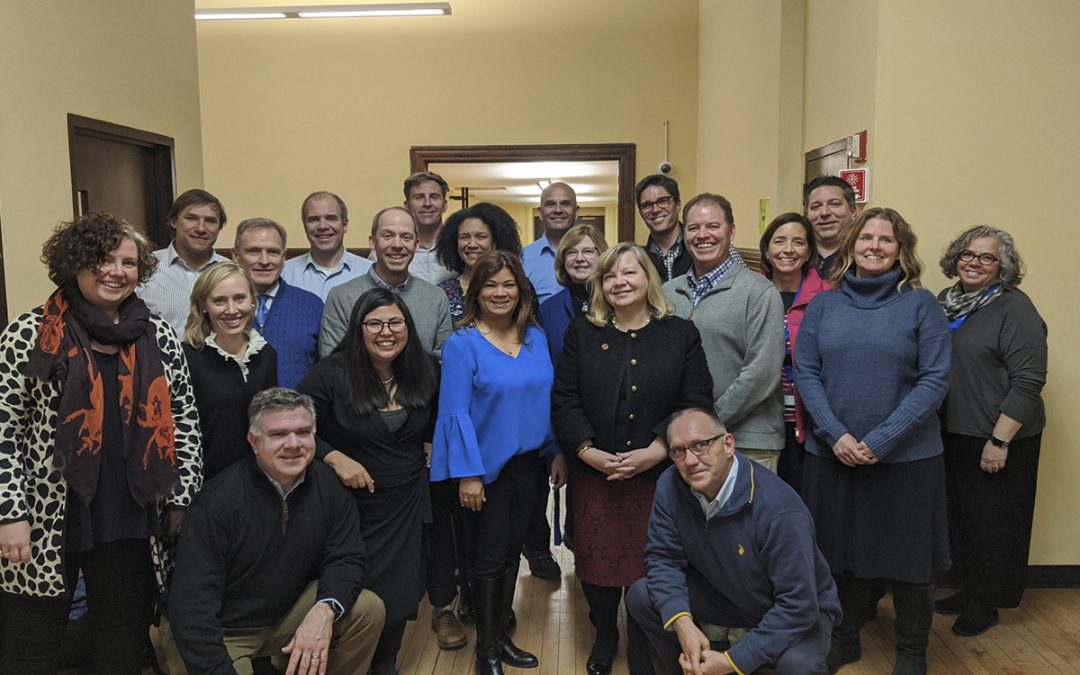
(854, 599)
(488, 610)
(512, 655)
(914, 613)
(604, 614)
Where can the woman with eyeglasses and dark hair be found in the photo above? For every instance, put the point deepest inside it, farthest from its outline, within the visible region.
(872, 366)
(492, 436)
(374, 399)
(467, 235)
(789, 260)
(626, 366)
(993, 418)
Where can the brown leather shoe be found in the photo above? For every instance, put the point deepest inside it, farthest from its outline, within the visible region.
(448, 631)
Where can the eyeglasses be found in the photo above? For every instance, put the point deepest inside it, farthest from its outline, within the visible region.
(374, 326)
(581, 253)
(699, 448)
(984, 258)
(663, 203)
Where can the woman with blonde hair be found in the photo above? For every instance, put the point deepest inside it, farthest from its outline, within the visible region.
(626, 366)
(229, 362)
(872, 367)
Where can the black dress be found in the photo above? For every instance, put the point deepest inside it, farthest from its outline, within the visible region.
(222, 395)
(392, 517)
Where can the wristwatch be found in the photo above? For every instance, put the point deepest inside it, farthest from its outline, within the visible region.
(997, 442)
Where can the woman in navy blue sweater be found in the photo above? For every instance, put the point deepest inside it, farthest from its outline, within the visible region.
(872, 365)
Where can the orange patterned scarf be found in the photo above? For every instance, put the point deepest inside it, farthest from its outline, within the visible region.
(63, 354)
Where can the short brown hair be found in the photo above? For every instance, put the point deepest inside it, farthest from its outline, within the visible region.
(196, 197)
(573, 237)
(86, 242)
(422, 177)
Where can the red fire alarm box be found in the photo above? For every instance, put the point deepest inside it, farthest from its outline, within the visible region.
(857, 179)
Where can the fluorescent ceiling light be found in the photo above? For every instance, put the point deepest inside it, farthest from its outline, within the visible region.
(205, 15)
(326, 11)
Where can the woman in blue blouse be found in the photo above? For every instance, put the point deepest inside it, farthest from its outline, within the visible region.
(494, 423)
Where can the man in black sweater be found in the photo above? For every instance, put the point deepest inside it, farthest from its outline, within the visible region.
(271, 559)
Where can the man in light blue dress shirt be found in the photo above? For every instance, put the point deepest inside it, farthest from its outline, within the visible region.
(196, 218)
(326, 264)
(558, 213)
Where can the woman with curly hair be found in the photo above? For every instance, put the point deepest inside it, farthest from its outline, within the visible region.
(99, 448)
(993, 419)
(467, 235)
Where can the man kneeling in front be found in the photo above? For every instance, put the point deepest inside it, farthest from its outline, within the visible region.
(732, 545)
(271, 559)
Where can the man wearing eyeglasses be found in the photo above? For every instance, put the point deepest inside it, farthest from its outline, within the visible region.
(658, 202)
(755, 567)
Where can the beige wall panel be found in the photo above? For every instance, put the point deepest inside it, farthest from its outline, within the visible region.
(293, 106)
(976, 117)
(129, 62)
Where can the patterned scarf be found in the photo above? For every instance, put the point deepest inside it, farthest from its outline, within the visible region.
(63, 355)
(959, 305)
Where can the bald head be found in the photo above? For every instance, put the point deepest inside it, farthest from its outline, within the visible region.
(558, 210)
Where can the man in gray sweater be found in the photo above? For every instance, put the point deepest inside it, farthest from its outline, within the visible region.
(740, 317)
(393, 241)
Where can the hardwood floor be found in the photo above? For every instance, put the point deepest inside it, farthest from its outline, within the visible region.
(1042, 636)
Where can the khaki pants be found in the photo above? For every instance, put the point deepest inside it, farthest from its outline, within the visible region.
(769, 459)
(351, 646)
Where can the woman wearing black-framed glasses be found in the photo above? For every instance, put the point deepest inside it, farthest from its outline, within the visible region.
(374, 399)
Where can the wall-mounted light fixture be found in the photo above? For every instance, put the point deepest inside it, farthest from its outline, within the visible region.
(325, 11)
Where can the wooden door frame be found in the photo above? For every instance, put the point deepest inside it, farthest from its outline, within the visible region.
(164, 163)
(624, 153)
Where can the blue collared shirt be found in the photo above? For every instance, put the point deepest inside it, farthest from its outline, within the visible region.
(302, 272)
(711, 508)
(699, 288)
(538, 259)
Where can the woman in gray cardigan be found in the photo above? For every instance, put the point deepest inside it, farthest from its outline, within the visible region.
(992, 419)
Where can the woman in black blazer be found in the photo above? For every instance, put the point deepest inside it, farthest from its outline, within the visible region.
(625, 368)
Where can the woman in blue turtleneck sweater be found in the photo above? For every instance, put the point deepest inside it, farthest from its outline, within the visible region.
(872, 364)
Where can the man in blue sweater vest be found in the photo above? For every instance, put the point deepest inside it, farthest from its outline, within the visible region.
(731, 544)
(287, 316)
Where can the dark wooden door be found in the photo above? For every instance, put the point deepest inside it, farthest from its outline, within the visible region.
(125, 172)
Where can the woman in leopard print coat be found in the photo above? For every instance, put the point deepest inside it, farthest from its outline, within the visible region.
(99, 451)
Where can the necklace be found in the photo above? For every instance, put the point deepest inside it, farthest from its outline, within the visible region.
(501, 343)
(615, 323)
(387, 382)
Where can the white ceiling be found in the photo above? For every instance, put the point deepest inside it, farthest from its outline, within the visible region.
(516, 182)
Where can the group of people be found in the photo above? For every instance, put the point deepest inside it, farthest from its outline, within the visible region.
(282, 458)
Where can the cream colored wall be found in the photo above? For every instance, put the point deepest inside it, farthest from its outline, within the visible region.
(841, 74)
(293, 106)
(750, 107)
(976, 116)
(124, 61)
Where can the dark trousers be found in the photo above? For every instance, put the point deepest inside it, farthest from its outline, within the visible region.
(538, 536)
(990, 517)
(791, 459)
(805, 657)
(443, 538)
(119, 593)
(499, 528)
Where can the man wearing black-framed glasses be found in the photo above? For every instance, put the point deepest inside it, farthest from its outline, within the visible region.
(756, 567)
(658, 202)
